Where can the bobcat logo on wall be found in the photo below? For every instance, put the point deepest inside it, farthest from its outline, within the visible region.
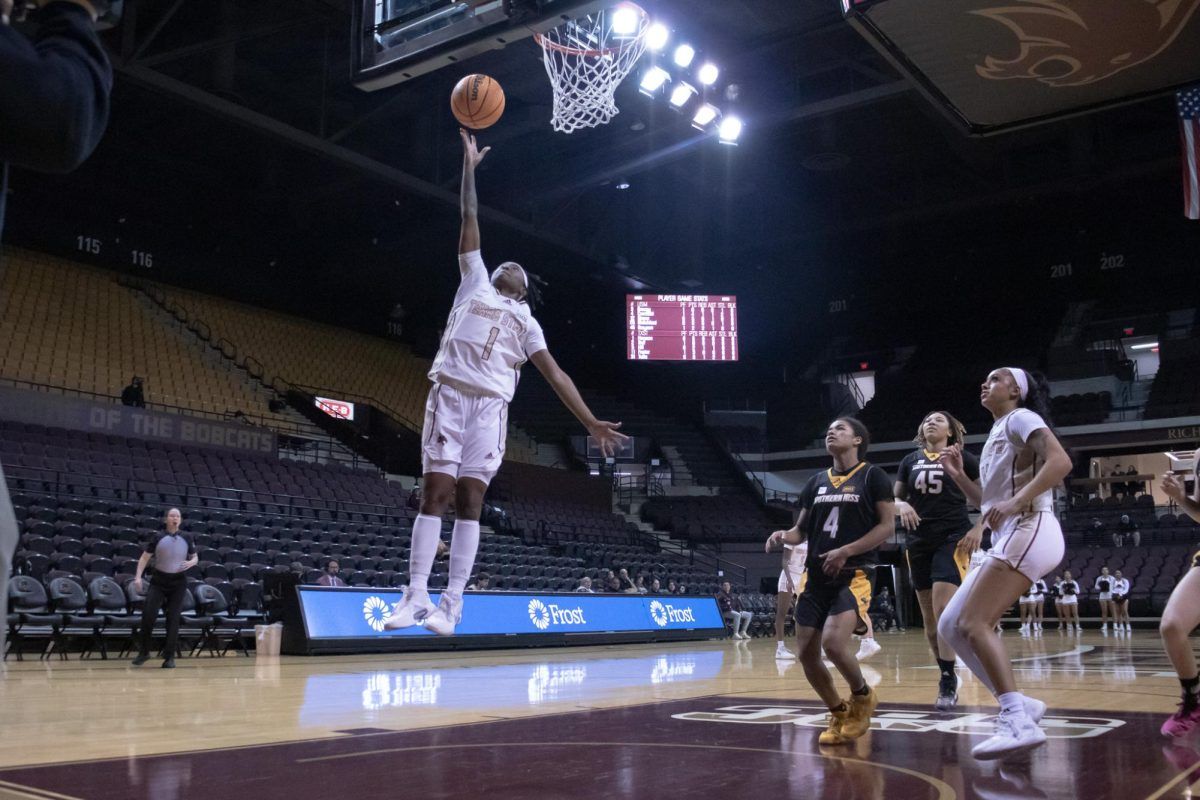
(1073, 45)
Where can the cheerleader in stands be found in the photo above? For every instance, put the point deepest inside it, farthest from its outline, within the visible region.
(1069, 589)
(1040, 590)
(1103, 588)
(1021, 464)
(1182, 615)
(1120, 602)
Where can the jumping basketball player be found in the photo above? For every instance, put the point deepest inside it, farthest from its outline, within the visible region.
(941, 538)
(1022, 462)
(791, 583)
(846, 512)
(1182, 615)
(489, 335)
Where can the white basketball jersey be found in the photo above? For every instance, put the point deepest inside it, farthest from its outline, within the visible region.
(797, 555)
(1000, 477)
(488, 336)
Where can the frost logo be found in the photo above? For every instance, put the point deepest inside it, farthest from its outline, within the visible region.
(659, 612)
(375, 612)
(539, 615)
(669, 613)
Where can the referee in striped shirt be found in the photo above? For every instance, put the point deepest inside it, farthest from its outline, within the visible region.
(174, 553)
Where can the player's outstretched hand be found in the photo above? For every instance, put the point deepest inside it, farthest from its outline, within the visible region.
(1173, 486)
(774, 539)
(473, 154)
(607, 436)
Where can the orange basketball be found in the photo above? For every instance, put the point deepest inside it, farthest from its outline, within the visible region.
(477, 102)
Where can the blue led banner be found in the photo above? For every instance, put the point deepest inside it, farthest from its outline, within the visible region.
(359, 612)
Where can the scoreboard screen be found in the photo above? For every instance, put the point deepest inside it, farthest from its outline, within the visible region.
(681, 327)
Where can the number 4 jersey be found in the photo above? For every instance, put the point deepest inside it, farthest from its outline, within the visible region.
(488, 336)
(935, 496)
(841, 509)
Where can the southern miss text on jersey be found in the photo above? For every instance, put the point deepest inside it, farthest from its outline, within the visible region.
(935, 496)
(841, 509)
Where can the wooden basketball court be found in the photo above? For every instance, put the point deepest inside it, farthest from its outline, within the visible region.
(621, 721)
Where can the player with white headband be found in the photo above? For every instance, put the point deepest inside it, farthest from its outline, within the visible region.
(1021, 464)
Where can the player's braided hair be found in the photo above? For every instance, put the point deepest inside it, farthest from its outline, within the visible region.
(533, 292)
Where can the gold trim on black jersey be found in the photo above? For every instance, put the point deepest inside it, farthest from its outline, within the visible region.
(838, 480)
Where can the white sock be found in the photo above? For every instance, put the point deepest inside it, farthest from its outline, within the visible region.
(1012, 703)
(779, 643)
(426, 532)
(463, 546)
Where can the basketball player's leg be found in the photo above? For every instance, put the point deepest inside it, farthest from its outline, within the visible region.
(482, 453)
(836, 638)
(783, 604)
(1179, 618)
(860, 591)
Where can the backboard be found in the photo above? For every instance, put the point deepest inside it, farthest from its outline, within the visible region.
(396, 40)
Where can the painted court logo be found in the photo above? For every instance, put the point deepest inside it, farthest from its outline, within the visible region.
(659, 613)
(539, 615)
(375, 612)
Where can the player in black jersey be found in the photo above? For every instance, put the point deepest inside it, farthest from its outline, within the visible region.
(846, 512)
(941, 538)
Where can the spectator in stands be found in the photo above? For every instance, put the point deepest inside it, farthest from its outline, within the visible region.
(174, 553)
(1127, 530)
(1133, 488)
(614, 584)
(585, 585)
(731, 609)
(655, 587)
(54, 103)
(483, 583)
(1116, 487)
(625, 582)
(883, 610)
(640, 584)
(681, 589)
(330, 578)
(1095, 534)
(672, 587)
(133, 394)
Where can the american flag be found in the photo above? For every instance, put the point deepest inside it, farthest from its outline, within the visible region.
(1189, 131)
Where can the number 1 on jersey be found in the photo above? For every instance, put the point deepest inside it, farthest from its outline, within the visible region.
(831, 523)
(487, 348)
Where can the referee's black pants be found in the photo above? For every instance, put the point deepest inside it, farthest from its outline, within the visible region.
(165, 588)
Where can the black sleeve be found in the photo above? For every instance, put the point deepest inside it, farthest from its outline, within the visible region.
(905, 468)
(809, 492)
(879, 488)
(54, 95)
(191, 543)
(152, 542)
(971, 465)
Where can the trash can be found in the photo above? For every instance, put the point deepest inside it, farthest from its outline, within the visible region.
(267, 639)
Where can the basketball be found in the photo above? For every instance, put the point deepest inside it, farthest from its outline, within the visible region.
(477, 101)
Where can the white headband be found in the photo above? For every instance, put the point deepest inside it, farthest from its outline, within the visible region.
(524, 275)
(1022, 380)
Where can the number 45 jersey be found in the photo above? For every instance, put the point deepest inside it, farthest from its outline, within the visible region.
(488, 336)
(841, 509)
(935, 496)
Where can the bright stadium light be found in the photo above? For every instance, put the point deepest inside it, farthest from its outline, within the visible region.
(730, 130)
(625, 20)
(681, 94)
(709, 73)
(704, 115)
(653, 80)
(657, 36)
(684, 55)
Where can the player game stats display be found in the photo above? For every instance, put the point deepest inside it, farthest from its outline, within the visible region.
(681, 327)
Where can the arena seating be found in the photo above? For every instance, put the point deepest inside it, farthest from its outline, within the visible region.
(1175, 391)
(66, 325)
(723, 518)
(343, 362)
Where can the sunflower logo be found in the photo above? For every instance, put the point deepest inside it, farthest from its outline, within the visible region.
(659, 612)
(375, 612)
(539, 615)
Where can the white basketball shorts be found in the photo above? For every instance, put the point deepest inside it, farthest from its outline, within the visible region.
(1032, 544)
(797, 581)
(464, 433)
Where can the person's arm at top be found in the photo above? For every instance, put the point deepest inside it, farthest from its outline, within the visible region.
(468, 235)
(54, 95)
(606, 433)
(1174, 486)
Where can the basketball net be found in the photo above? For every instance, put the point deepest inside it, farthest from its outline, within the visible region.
(587, 59)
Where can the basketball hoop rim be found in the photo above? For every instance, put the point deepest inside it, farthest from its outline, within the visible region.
(546, 44)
